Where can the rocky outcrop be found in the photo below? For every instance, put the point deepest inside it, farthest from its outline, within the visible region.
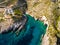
(47, 8)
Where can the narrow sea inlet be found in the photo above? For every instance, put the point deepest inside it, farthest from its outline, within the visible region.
(30, 34)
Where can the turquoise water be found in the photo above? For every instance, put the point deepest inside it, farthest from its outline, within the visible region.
(30, 34)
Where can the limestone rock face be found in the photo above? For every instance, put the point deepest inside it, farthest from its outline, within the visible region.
(47, 8)
(37, 9)
(11, 12)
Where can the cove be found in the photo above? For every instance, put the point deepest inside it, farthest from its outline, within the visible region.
(30, 34)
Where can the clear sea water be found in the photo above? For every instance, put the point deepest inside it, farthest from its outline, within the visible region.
(30, 35)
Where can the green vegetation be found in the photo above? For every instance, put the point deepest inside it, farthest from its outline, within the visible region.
(17, 12)
(1, 17)
(58, 26)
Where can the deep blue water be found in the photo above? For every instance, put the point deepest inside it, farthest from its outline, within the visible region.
(30, 34)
